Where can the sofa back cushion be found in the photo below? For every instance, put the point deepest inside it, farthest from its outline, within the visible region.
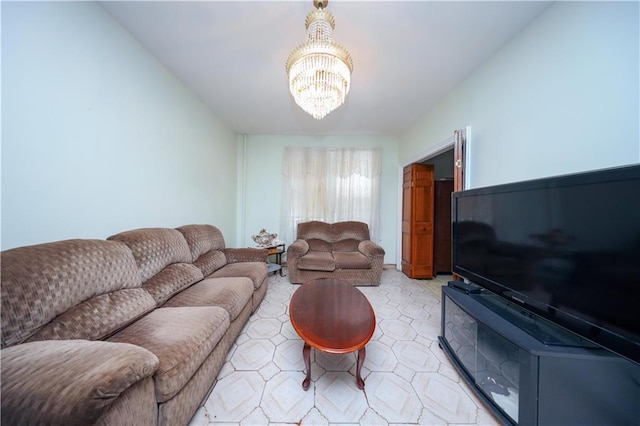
(164, 260)
(82, 289)
(316, 244)
(349, 230)
(314, 230)
(206, 244)
(340, 236)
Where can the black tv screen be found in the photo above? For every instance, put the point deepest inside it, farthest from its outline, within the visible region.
(566, 248)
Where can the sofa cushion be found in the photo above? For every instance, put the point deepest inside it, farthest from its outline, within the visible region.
(349, 244)
(155, 248)
(256, 271)
(164, 259)
(43, 281)
(232, 294)
(317, 261)
(206, 244)
(171, 280)
(135, 406)
(316, 244)
(202, 239)
(247, 254)
(182, 338)
(351, 260)
(68, 382)
(210, 262)
(98, 317)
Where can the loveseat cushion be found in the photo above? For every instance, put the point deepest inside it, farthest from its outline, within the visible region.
(232, 294)
(317, 261)
(182, 338)
(316, 244)
(43, 281)
(349, 244)
(314, 229)
(349, 230)
(351, 260)
(68, 382)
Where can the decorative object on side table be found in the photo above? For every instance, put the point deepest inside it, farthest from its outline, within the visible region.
(264, 238)
(276, 248)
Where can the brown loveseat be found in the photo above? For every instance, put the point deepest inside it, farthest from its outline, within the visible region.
(132, 330)
(339, 250)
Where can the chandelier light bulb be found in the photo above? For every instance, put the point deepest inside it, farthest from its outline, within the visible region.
(320, 69)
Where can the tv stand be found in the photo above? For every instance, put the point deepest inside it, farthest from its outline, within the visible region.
(530, 371)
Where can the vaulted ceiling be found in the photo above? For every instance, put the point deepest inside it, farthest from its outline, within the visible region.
(407, 55)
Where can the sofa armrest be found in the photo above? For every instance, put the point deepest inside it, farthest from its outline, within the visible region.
(370, 249)
(68, 382)
(297, 249)
(235, 255)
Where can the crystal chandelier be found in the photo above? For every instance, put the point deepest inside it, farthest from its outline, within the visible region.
(319, 70)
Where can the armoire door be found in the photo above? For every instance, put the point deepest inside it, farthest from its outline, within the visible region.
(442, 221)
(417, 220)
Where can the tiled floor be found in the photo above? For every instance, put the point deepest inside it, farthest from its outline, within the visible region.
(408, 379)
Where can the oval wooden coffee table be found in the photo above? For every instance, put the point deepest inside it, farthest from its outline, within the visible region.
(333, 316)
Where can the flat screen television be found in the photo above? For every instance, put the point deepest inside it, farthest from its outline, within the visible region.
(566, 248)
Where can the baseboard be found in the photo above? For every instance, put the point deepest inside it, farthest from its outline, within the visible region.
(384, 266)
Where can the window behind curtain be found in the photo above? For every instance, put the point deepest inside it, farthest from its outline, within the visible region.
(331, 185)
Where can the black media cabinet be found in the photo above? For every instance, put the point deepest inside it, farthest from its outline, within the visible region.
(528, 370)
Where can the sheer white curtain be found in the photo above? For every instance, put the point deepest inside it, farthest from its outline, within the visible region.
(331, 185)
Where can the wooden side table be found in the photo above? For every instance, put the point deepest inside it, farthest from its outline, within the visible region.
(276, 250)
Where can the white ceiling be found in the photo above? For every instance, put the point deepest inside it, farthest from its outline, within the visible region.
(407, 55)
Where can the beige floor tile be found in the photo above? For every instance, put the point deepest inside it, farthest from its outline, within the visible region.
(284, 401)
(408, 378)
(235, 397)
(338, 398)
(392, 397)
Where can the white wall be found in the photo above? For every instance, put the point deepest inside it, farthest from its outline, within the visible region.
(98, 137)
(561, 97)
(262, 198)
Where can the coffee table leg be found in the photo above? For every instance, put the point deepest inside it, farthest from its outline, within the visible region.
(306, 355)
(362, 353)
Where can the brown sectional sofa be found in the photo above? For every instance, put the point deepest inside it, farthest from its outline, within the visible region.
(335, 250)
(131, 330)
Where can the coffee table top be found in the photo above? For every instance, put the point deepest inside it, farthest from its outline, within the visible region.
(332, 315)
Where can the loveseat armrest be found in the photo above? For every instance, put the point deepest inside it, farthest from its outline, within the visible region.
(68, 382)
(370, 249)
(235, 255)
(297, 249)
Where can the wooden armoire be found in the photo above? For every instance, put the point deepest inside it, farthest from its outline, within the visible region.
(417, 220)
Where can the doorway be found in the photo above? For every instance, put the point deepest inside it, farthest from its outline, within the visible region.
(450, 170)
(443, 165)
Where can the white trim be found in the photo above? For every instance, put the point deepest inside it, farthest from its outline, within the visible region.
(399, 224)
(442, 146)
(241, 228)
(467, 158)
